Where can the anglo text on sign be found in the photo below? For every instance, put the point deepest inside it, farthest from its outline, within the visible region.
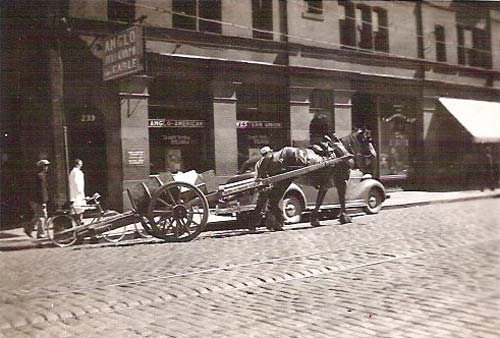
(123, 54)
(163, 123)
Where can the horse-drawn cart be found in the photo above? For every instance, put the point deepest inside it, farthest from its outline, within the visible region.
(177, 211)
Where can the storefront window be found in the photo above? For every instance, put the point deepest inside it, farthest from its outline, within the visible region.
(397, 137)
(259, 119)
(178, 126)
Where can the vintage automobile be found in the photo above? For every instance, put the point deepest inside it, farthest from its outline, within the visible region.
(363, 192)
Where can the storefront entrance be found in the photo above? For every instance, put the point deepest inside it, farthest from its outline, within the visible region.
(392, 120)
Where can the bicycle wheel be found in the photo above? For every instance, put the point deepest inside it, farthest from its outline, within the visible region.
(61, 230)
(115, 235)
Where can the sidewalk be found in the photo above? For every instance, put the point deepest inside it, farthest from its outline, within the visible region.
(15, 239)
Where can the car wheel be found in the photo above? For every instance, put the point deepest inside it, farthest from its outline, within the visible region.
(373, 202)
(292, 209)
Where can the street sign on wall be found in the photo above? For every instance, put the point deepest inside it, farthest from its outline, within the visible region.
(123, 54)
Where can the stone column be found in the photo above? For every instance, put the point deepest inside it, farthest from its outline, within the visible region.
(299, 116)
(134, 137)
(225, 132)
(343, 112)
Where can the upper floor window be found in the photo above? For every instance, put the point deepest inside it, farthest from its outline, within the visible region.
(314, 6)
(439, 33)
(199, 15)
(474, 48)
(262, 18)
(364, 27)
(121, 10)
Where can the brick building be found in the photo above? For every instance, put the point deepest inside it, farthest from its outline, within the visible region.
(222, 78)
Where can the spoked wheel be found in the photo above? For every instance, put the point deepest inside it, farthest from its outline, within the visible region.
(61, 230)
(115, 235)
(178, 212)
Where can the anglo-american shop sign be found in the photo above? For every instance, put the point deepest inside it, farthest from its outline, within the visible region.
(123, 54)
(163, 123)
(240, 124)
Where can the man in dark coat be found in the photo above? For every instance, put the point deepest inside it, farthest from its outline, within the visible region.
(268, 200)
(38, 200)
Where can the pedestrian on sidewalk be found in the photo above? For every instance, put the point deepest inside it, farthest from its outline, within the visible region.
(77, 187)
(38, 200)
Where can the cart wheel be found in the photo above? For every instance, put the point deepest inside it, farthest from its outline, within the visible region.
(115, 235)
(61, 230)
(142, 227)
(178, 212)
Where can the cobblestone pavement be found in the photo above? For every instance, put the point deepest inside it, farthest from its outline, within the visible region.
(430, 271)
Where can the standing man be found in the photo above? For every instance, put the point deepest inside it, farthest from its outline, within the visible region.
(77, 186)
(38, 200)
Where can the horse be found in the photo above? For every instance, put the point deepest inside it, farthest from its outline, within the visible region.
(357, 144)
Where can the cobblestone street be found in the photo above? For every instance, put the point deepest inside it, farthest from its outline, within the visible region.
(429, 271)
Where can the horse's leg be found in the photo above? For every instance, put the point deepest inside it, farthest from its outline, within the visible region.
(341, 185)
(319, 201)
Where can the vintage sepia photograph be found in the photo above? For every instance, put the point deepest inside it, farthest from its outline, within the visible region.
(249, 169)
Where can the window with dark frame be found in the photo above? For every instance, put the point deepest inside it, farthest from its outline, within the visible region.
(192, 15)
(122, 10)
(262, 19)
(474, 48)
(314, 6)
(364, 27)
(380, 30)
(440, 36)
(348, 24)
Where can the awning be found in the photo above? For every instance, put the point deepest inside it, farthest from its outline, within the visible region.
(480, 118)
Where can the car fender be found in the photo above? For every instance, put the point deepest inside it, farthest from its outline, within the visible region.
(294, 188)
(361, 190)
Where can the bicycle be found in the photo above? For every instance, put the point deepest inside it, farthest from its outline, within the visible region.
(63, 228)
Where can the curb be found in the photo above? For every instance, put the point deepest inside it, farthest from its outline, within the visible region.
(442, 201)
(26, 244)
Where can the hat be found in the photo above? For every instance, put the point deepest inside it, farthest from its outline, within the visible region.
(265, 150)
(42, 162)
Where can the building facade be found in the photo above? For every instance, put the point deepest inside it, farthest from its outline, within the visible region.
(222, 78)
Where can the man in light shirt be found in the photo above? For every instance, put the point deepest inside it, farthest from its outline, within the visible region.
(77, 187)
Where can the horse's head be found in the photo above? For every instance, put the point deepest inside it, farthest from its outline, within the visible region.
(364, 137)
(360, 144)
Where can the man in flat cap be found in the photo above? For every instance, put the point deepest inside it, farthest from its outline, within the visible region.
(38, 200)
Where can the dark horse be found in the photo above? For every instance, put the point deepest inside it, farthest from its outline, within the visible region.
(357, 144)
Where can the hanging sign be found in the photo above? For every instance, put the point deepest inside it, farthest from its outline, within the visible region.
(123, 54)
(240, 124)
(164, 123)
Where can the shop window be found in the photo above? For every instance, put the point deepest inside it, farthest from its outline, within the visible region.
(323, 121)
(199, 15)
(397, 137)
(178, 125)
(440, 43)
(260, 118)
(262, 18)
(121, 10)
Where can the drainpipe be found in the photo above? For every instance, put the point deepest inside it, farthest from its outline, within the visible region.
(419, 163)
(285, 60)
